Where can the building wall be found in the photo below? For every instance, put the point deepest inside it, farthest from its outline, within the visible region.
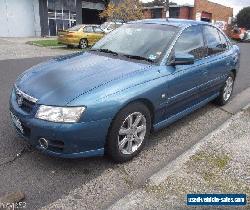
(147, 13)
(219, 12)
(183, 12)
(19, 18)
(186, 13)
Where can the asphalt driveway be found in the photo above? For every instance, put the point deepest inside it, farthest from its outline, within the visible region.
(44, 179)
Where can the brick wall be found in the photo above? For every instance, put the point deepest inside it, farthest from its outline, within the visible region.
(219, 12)
(147, 14)
(185, 13)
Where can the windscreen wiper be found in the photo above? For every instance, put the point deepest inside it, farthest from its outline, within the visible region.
(137, 57)
(105, 51)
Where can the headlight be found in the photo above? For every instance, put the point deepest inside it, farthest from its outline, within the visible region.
(60, 114)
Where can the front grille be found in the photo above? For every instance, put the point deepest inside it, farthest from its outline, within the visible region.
(27, 106)
(26, 130)
(24, 101)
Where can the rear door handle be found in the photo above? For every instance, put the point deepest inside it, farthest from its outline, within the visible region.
(205, 72)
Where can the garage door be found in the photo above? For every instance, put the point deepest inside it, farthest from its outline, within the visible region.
(19, 18)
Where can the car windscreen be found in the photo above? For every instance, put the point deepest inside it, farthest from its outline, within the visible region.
(148, 41)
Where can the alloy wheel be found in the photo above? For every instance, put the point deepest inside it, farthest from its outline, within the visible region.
(228, 89)
(83, 44)
(132, 133)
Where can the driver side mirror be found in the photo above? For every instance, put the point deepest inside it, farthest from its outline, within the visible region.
(182, 59)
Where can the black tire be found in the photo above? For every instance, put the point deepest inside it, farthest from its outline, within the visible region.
(112, 148)
(221, 100)
(83, 44)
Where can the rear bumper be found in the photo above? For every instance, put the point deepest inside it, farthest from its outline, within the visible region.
(65, 140)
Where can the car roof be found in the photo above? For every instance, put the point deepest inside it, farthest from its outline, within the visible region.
(171, 21)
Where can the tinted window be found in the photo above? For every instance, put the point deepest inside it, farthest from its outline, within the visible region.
(88, 29)
(224, 41)
(213, 40)
(97, 29)
(191, 42)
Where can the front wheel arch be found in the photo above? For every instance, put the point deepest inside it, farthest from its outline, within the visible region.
(145, 102)
(234, 72)
(114, 121)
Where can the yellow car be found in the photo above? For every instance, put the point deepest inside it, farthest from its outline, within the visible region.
(81, 36)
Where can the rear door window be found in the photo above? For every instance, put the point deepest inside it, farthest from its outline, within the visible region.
(224, 42)
(88, 29)
(97, 29)
(214, 41)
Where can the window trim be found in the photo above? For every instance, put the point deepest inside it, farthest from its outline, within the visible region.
(172, 51)
(218, 31)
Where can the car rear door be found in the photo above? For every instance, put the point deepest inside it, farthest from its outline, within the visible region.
(89, 33)
(217, 60)
(185, 81)
(99, 33)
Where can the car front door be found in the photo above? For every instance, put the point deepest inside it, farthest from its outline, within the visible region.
(185, 80)
(99, 33)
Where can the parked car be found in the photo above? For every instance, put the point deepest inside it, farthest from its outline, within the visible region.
(238, 34)
(136, 80)
(107, 27)
(81, 35)
(247, 36)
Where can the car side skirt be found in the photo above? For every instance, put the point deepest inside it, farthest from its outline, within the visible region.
(181, 114)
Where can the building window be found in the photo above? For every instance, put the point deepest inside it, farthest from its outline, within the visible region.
(174, 12)
(61, 15)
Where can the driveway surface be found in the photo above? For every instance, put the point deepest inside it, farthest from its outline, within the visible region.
(15, 48)
(45, 179)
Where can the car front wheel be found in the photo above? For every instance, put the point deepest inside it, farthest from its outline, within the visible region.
(128, 132)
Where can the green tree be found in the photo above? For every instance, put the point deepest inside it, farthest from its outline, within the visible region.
(243, 18)
(125, 10)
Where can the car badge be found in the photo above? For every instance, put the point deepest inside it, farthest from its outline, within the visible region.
(20, 101)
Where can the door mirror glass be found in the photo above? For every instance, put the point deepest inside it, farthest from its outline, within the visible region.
(182, 59)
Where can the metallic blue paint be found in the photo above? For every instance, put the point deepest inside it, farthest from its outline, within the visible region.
(105, 84)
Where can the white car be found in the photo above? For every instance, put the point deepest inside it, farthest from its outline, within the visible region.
(110, 26)
(247, 36)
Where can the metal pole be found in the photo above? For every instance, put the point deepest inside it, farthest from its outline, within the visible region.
(167, 8)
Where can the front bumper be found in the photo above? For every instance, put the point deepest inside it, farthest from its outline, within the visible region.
(68, 140)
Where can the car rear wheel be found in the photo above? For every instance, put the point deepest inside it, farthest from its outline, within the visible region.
(226, 91)
(83, 43)
(128, 132)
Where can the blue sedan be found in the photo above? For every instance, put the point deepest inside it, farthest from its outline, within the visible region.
(139, 78)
